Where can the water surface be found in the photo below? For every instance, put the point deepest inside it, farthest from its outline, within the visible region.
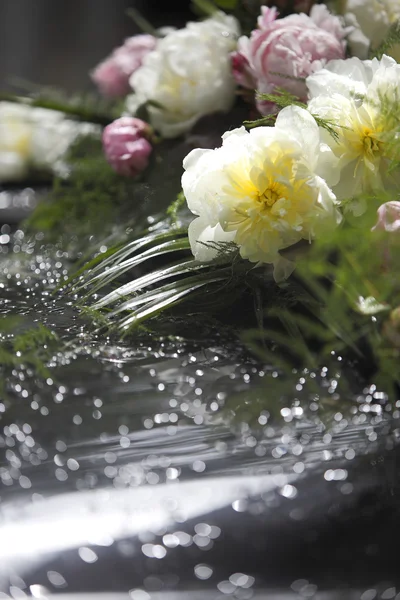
(161, 464)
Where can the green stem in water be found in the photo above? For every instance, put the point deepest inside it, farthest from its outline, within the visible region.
(78, 112)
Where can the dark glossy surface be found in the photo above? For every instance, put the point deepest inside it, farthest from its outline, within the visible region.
(171, 466)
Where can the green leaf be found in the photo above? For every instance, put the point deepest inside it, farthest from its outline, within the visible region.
(227, 4)
(391, 39)
(141, 21)
(204, 7)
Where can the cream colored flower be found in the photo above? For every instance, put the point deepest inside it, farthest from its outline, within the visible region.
(188, 75)
(15, 140)
(34, 138)
(260, 190)
(371, 20)
(361, 100)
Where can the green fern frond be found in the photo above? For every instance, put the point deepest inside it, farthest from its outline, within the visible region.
(175, 207)
(204, 8)
(282, 98)
(328, 125)
(33, 346)
(267, 121)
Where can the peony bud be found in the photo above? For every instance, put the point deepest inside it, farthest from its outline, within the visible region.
(126, 145)
(112, 75)
(388, 217)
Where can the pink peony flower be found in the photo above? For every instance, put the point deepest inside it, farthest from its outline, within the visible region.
(282, 52)
(388, 217)
(126, 146)
(112, 75)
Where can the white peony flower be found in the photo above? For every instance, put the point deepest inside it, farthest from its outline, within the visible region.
(361, 100)
(371, 21)
(34, 138)
(260, 190)
(15, 139)
(188, 75)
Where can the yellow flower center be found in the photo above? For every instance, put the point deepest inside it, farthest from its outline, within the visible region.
(269, 197)
(370, 145)
(15, 137)
(271, 194)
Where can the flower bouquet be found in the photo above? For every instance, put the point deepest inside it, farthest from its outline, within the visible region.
(200, 318)
(244, 167)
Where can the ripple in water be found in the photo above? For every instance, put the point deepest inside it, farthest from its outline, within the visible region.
(167, 465)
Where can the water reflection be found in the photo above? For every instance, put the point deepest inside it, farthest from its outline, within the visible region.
(162, 464)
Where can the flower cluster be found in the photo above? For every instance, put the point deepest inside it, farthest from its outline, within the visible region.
(326, 144)
(361, 99)
(269, 188)
(307, 175)
(371, 21)
(188, 73)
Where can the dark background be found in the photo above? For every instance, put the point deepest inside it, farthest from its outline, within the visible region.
(57, 42)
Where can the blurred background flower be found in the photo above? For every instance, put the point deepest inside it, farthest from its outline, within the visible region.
(112, 75)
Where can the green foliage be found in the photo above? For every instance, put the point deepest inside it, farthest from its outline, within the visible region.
(134, 288)
(303, 390)
(87, 107)
(337, 303)
(227, 4)
(175, 206)
(31, 347)
(209, 7)
(204, 7)
(328, 125)
(83, 204)
(392, 38)
(141, 21)
(350, 282)
(282, 98)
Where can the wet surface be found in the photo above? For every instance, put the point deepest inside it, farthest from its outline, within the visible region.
(175, 469)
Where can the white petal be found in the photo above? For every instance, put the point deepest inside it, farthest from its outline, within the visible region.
(347, 77)
(13, 167)
(191, 160)
(283, 268)
(233, 134)
(301, 126)
(200, 233)
(327, 165)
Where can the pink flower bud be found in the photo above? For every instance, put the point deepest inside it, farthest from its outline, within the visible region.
(388, 217)
(126, 146)
(112, 75)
